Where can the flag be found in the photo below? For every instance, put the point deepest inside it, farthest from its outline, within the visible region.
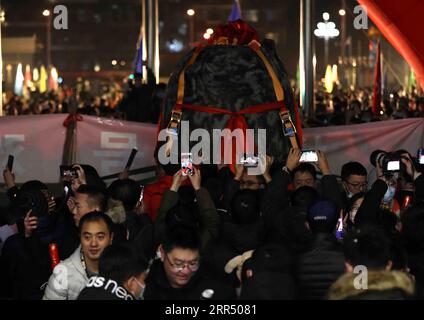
(376, 95)
(138, 68)
(43, 79)
(19, 81)
(328, 79)
(412, 83)
(235, 12)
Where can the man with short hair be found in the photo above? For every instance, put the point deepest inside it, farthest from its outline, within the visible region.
(354, 179)
(88, 198)
(304, 174)
(122, 274)
(369, 275)
(71, 275)
(178, 274)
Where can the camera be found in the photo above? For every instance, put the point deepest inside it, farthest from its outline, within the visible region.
(68, 173)
(390, 162)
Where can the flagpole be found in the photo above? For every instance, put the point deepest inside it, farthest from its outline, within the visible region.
(1, 66)
(306, 57)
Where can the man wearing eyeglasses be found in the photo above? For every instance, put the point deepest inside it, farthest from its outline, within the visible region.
(178, 274)
(354, 179)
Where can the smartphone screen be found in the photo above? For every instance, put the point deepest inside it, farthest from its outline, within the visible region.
(186, 164)
(249, 161)
(393, 166)
(421, 156)
(141, 194)
(309, 156)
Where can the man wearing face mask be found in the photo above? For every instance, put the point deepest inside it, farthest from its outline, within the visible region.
(354, 180)
(380, 196)
(122, 272)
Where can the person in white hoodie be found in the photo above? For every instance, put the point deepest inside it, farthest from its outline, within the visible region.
(71, 275)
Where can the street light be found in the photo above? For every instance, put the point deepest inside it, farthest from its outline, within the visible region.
(342, 12)
(191, 13)
(47, 14)
(326, 30)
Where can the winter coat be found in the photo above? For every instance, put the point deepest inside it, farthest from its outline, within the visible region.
(382, 285)
(319, 267)
(158, 287)
(68, 279)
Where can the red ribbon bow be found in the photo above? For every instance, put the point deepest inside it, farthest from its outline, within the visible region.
(72, 118)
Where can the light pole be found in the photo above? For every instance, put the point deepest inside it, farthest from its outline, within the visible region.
(2, 19)
(342, 13)
(48, 15)
(326, 30)
(191, 13)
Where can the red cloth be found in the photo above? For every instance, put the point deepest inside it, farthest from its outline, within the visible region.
(376, 95)
(236, 121)
(153, 195)
(400, 22)
(72, 118)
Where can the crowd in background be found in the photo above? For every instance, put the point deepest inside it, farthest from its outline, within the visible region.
(134, 101)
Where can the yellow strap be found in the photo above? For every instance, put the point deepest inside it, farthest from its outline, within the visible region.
(278, 89)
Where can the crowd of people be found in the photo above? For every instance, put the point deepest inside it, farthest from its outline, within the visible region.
(134, 101)
(131, 101)
(295, 232)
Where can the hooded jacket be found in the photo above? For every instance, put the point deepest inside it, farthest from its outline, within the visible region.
(382, 285)
(68, 279)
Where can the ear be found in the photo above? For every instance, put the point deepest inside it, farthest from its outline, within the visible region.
(111, 238)
(249, 273)
(307, 226)
(131, 285)
(389, 265)
(348, 267)
(162, 253)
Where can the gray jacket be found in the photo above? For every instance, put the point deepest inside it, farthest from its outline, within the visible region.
(68, 279)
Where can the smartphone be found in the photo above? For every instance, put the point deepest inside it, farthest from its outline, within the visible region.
(141, 194)
(131, 158)
(249, 161)
(420, 156)
(339, 230)
(68, 172)
(187, 164)
(393, 165)
(10, 162)
(309, 156)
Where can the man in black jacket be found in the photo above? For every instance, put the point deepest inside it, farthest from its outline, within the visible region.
(178, 275)
(323, 263)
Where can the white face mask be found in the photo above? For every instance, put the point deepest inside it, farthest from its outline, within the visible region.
(390, 194)
(140, 296)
